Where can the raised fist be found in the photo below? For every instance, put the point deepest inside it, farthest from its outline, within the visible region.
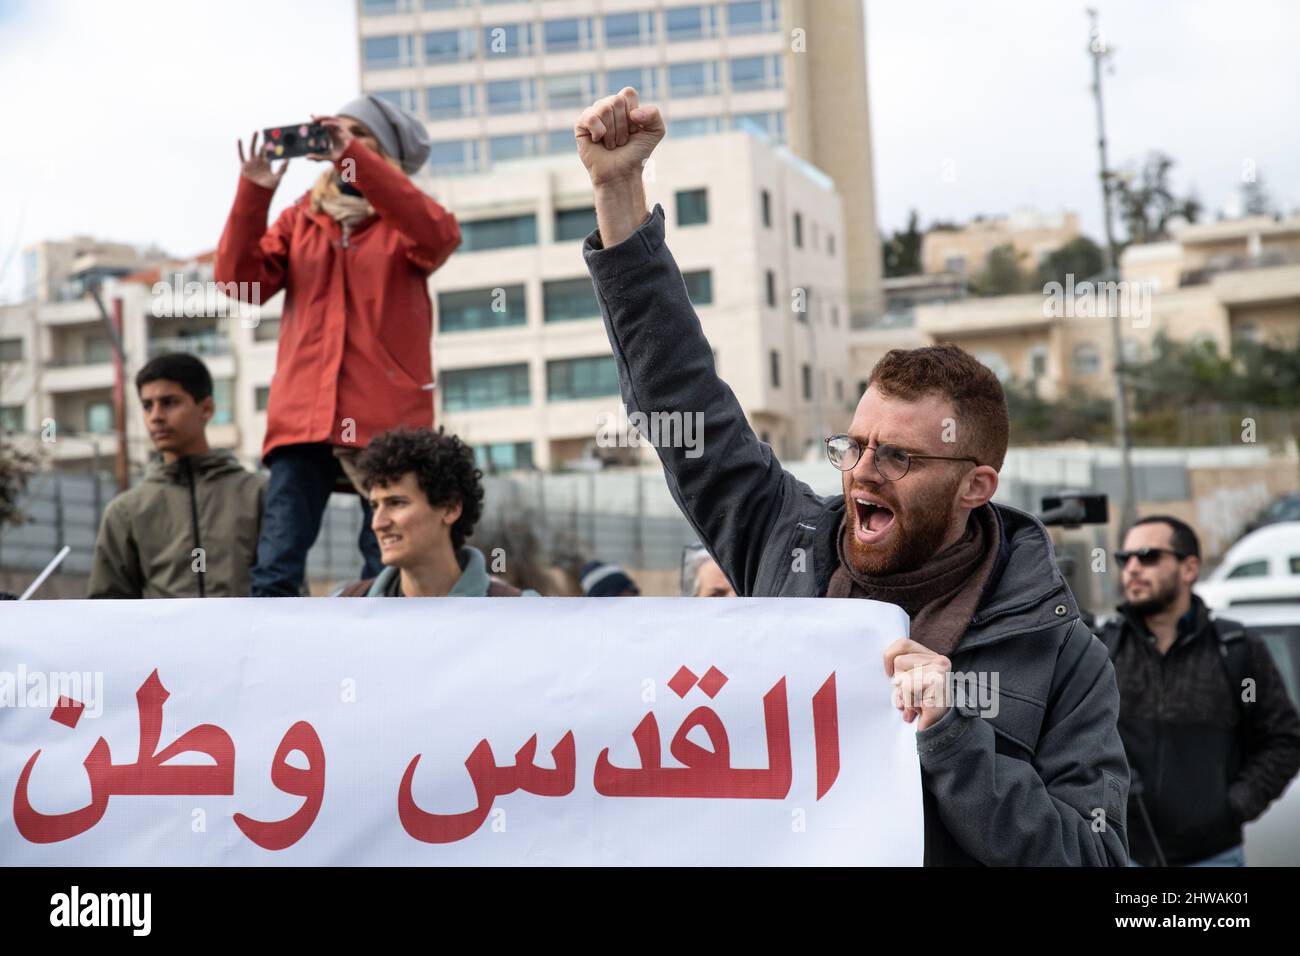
(616, 136)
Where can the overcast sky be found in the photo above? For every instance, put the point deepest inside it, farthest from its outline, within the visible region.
(120, 119)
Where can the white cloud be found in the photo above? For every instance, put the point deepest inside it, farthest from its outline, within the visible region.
(121, 118)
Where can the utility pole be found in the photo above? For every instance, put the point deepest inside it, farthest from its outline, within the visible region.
(1128, 506)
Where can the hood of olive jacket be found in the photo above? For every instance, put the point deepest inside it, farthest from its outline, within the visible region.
(189, 529)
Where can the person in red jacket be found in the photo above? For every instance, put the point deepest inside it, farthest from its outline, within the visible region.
(353, 257)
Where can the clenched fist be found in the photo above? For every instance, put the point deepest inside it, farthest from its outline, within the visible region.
(616, 135)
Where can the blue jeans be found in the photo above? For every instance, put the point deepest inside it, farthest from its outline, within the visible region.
(302, 478)
(1235, 856)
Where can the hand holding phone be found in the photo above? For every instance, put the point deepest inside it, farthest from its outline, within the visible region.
(257, 168)
(299, 139)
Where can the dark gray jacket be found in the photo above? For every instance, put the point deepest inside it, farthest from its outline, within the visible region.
(1044, 781)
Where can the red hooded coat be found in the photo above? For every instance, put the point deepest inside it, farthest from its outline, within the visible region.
(354, 357)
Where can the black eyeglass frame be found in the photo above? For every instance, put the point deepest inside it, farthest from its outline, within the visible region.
(909, 456)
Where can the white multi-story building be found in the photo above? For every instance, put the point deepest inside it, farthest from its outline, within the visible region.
(524, 364)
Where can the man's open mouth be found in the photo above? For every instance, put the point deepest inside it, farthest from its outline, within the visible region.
(874, 519)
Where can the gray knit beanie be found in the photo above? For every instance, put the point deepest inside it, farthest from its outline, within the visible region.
(402, 134)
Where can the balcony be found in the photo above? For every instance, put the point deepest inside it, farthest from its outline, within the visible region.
(213, 344)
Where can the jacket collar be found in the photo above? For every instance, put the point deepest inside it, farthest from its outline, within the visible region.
(473, 580)
(209, 464)
(1025, 591)
(1190, 625)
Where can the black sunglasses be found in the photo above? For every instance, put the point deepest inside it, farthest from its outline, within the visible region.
(1147, 557)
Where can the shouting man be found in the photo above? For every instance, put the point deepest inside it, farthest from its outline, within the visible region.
(1042, 780)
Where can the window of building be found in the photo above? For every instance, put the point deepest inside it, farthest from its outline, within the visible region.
(406, 99)
(560, 141)
(752, 16)
(699, 286)
(770, 126)
(261, 397)
(453, 156)
(504, 456)
(574, 223)
(500, 233)
(223, 398)
(266, 330)
(771, 287)
(380, 8)
(643, 79)
(449, 102)
(1037, 362)
(99, 418)
(504, 40)
(564, 300)
(495, 386)
(774, 368)
(13, 419)
(565, 36)
(693, 126)
(446, 4)
(510, 96)
(798, 230)
(750, 73)
(830, 244)
(388, 53)
(514, 146)
(570, 91)
(765, 200)
(806, 374)
(473, 310)
(448, 46)
(630, 29)
(690, 23)
(699, 78)
(594, 377)
(692, 207)
(995, 363)
(11, 350)
(1086, 360)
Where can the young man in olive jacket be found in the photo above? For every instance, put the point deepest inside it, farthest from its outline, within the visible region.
(1043, 781)
(190, 528)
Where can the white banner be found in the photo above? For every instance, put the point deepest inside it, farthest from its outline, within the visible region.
(528, 731)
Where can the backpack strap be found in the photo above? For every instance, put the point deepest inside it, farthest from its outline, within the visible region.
(355, 589)
(1234, 655)
(1110, 633)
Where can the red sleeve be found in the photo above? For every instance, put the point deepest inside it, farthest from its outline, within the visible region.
(431, 231)
(248, 251)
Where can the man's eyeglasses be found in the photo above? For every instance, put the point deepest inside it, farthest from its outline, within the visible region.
(891, 462)
(1147, 557)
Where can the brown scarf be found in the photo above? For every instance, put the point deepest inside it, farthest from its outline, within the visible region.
(939, 597)
(347, 210)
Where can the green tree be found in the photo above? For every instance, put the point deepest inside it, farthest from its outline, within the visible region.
(902, 253)
(1080, 257)
(1147, 202)
(1002, 273)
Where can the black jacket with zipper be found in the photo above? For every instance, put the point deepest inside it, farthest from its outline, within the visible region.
(1207, 764)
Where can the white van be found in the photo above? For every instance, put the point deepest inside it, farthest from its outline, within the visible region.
(1261, 568)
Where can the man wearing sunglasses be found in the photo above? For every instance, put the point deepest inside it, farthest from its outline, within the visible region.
(1043, 779)
(1210, 733)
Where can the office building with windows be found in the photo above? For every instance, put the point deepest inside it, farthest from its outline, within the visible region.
(500, 84)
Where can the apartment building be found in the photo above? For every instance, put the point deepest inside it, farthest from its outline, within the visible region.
(497, 80)
(1031, 233)
(1214, 282)
(58, 372)
(525, 372)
